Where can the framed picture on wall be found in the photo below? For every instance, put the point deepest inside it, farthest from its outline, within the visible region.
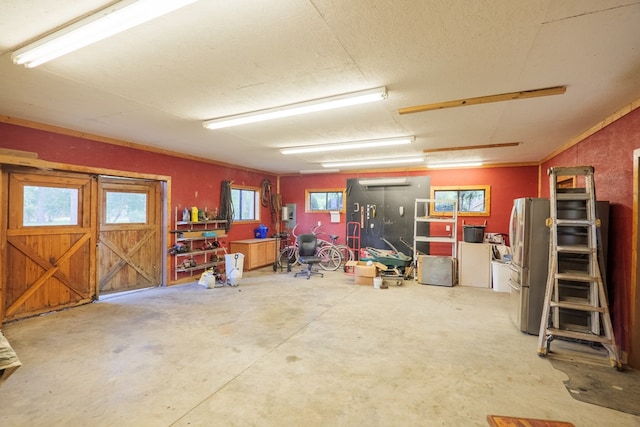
(473, 200)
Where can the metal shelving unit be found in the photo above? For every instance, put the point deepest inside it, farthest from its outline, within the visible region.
(426, 212)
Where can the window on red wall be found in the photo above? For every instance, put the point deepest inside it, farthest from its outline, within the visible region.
(324, 200)
(246, 203)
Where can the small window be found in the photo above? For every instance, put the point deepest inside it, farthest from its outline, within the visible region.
(472, 200)
(47, 206)
(126, 208)
(246, 203)
(324, 200)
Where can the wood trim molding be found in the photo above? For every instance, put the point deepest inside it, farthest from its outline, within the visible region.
(595, 128)
(47, 165)
(523, 94)
(471, 147)
(633, 340)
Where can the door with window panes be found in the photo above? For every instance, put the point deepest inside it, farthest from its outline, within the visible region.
(129, 235)
(50, 241)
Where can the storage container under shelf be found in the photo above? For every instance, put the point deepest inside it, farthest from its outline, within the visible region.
(436, 270)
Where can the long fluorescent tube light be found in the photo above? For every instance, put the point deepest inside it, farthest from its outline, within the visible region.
(311, 171)
(454, 165)
(383, 182)
(374, 162)
(352, 145)
(321, 104)
(105, 23)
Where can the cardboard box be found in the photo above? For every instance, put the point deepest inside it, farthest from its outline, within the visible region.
(364, 273)
(363, 280)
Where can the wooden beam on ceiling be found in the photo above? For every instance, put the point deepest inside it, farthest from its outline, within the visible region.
(555, 90)
(471, 147)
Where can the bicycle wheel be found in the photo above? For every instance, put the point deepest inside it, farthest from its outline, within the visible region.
(331, 258)
(346, 253)
(287, 258)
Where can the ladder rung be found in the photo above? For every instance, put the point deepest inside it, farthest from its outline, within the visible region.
(579, 335)
(576, 249)
(576, 306)
(576, 276)
(574, 286)
(575, 222)
(573, 196)
(572, 170)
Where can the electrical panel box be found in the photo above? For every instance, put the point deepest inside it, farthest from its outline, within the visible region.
(290, 217)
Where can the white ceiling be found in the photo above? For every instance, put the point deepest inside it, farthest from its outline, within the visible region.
(155, 84)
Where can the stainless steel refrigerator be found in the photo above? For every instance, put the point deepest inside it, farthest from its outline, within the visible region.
(529, 240)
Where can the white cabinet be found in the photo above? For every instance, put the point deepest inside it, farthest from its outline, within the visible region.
(474, 263)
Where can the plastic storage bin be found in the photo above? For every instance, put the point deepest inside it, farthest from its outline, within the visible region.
(473, 233)
(261, 232)
(500, 270)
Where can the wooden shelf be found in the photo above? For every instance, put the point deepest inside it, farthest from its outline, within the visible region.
(193, 239)
(188, 234)
(199, 252)
(198, 267)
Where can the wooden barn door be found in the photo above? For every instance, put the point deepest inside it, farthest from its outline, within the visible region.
(50, 241)
(130, 234)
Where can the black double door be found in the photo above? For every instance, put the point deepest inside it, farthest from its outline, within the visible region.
(385, 212)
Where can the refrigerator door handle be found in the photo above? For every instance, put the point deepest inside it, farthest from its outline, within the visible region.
(511, 219)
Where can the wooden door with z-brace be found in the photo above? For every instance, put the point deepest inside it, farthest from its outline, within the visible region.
(129, 234)
(49, 256)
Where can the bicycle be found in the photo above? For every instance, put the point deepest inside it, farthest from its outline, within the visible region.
(346, 253)
(289, 256)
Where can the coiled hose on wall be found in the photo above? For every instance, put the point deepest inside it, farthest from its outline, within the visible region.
(226, 205)
(266, 193)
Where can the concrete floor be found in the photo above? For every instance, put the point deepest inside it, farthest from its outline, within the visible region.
(284, 351)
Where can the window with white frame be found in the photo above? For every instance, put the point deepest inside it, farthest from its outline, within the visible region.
(246, 203)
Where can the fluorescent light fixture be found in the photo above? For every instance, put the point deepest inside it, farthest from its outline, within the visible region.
(352, 145)
(311, 171)
(383, 182)
(374, 162)
(454, 165)
(105, 23)
(322, 104)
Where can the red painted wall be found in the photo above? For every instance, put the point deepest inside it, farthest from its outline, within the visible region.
(507, 183)
(193, 183)
(610, 152)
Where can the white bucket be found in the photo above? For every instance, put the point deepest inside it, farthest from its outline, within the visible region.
(233, 264)
(377, 282)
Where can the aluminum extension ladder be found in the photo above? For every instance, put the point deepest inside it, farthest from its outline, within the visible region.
(575, 288)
